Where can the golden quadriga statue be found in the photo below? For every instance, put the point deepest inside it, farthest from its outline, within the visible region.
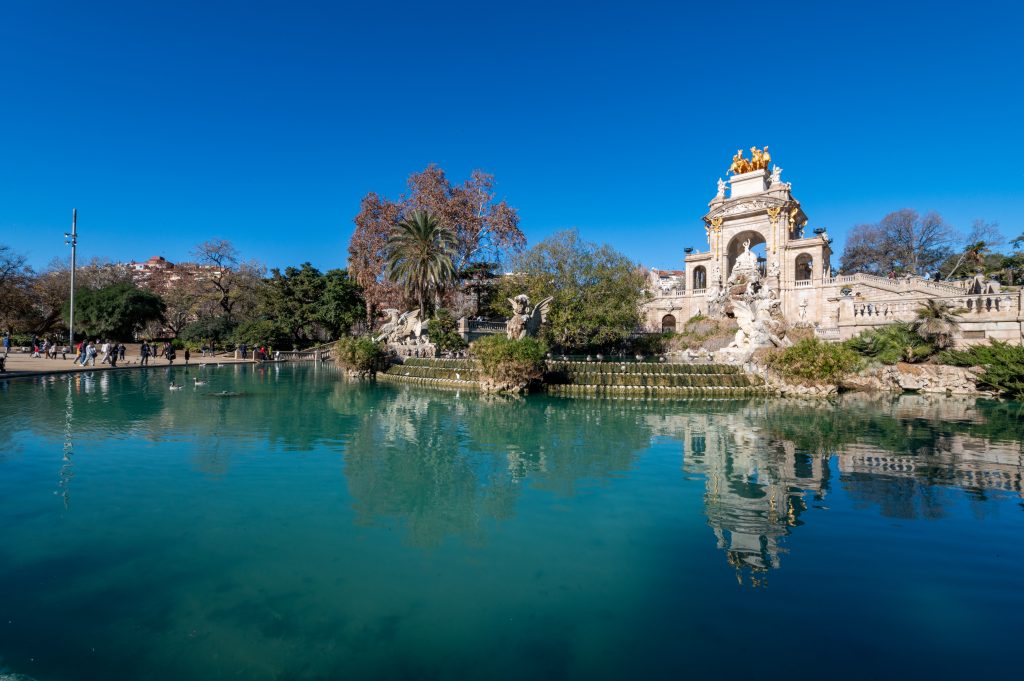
(759, 160)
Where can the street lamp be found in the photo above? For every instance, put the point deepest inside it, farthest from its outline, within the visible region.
(72, 240)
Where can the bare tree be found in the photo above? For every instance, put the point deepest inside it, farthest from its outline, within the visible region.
(902, 240)
(230, 283)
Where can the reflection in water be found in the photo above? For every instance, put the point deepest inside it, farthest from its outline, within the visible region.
(444, 466)
(309, 527)
(67, 469)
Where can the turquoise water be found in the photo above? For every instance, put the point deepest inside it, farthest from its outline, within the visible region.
(313, 528)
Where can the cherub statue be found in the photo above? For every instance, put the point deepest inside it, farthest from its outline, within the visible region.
(776, 175)
(721, 188)
(524, 321)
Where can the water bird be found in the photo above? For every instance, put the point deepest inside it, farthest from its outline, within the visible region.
(198, 382)
(174, 386)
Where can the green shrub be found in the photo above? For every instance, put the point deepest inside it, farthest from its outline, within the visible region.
(443, 332)
(360, 354)
(257, 332)
(892, 343)
(1002, 366)
(700, 332)
(511, 363)
(814, 360)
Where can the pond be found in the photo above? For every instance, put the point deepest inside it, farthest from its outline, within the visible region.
(284, 523)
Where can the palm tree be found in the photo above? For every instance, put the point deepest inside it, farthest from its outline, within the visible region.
(973, 254)
(420, 254)
(937, 322)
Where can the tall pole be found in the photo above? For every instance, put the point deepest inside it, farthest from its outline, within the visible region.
(72, 239)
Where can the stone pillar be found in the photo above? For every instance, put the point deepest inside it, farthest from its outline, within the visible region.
(463, 329)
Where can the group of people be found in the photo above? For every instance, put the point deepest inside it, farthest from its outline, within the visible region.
(87, 351)
(110, 353)
(45, 348)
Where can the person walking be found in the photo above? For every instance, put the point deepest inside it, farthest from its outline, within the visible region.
(80, 353)
(169, 353)
(90, 353)
(7, 343)
(105, 349)
(113, 357)
(121, 350)
(187, 355)
(144, 354)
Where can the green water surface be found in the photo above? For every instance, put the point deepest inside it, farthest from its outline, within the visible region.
(307, 527)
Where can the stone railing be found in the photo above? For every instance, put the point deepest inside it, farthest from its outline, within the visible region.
(802, 283)
(971, 307)
(830, 333)
(699, 291)
(321, 353)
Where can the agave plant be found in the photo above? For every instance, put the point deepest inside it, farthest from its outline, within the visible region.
(420, 257)
(937, 322)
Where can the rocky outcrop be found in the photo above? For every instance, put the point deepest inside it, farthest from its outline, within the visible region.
(924, 378)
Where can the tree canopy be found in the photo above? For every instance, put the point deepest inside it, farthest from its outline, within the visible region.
(115, 312)
(483, 229)
(597, 291)
(309, 306)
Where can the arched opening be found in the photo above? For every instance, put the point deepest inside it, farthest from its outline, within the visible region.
(737, 245)
(804, 267)
(700, 277)
(668, 324)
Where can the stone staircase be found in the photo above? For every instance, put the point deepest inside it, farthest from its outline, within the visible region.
(437, 373)
(649, 380)
(591, 379)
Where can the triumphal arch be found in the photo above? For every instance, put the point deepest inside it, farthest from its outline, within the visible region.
(757, 231)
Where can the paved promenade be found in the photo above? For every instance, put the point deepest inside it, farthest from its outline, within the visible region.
(23, 364)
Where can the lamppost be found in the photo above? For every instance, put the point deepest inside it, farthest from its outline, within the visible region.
(72, 240)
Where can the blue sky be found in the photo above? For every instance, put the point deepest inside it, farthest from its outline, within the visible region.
(264, 123)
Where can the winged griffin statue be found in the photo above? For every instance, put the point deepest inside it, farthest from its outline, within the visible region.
(524, 321)
(400, 326)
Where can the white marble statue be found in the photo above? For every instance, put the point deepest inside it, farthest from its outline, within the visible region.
(746, 262)
(721, 189)
(400, 327)
(776, 176)
(525, 321)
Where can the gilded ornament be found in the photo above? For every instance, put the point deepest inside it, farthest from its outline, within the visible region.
(759, 160)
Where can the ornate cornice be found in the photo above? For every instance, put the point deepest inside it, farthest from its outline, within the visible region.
(747, 205)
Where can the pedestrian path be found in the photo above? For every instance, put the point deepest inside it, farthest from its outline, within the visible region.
(23, 364)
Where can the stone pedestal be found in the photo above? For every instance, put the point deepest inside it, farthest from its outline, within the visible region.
(749, 184)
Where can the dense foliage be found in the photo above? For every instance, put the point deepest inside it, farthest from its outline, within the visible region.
(360, 354)
(260, 332)
(308, 306)
(597, 292)
(217, 299)
(512, 363)
(814, 360)
(443, 332)
(115, 312)
(892, 343)
(483, 229)
(208, 331)
(1002, 366)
